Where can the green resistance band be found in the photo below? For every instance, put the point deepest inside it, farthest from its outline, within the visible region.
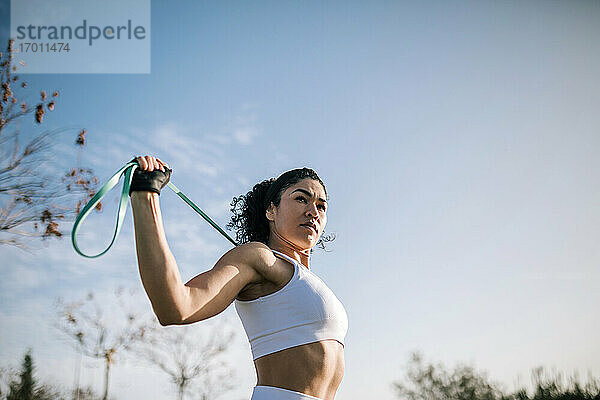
(127, 170)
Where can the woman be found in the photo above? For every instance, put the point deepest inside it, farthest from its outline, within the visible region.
(295, 324)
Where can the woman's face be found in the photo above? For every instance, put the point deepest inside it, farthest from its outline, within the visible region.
(301, 215)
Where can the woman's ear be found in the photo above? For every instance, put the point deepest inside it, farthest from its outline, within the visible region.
(270, 212)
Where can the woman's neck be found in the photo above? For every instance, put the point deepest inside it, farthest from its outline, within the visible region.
(281, 244)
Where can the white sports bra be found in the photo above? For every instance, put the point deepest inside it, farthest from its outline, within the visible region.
(304, 311)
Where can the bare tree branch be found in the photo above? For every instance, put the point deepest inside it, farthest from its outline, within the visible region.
(191, 354)
(97, 336)
(31, 199)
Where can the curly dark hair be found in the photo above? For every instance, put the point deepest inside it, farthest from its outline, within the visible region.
(249, 220)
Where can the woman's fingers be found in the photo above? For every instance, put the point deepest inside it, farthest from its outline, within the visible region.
(164, 164)
(149, 163)
(142, 163)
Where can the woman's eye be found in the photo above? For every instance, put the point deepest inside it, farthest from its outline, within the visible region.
(322, 207)
(301, 198)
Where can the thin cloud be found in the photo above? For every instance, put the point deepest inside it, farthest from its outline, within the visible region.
(245, 135)
(21, 277)
(187, 151)
(219, 208)
(245, 124)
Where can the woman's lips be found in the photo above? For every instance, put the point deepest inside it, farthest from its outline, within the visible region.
(312, 228)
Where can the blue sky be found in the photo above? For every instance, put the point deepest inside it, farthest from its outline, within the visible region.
(458, 141)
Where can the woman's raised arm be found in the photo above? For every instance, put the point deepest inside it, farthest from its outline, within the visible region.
(157, 266)
(204, 296)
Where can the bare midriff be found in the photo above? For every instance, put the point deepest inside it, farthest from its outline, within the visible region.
(315, 369)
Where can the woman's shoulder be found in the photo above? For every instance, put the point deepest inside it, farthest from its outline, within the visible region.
(263, 260)
(255, 254)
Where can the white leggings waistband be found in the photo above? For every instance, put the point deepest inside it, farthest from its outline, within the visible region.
(275, 393)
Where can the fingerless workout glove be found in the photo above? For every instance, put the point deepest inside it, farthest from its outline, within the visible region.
(149, 181)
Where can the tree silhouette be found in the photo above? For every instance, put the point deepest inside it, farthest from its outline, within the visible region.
(191, 354)
(98, 336)
(427, 381)
(27, 387)
(547, 386)
(33, 202)
(23, 389)
(434, 382)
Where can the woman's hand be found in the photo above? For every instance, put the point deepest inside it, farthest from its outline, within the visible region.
(149, 163)
(151, 176)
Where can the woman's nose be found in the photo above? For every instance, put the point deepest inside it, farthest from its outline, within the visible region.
(312, 210)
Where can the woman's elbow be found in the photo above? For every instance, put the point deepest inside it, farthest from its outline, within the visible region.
(168, 319)
(165, 322)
